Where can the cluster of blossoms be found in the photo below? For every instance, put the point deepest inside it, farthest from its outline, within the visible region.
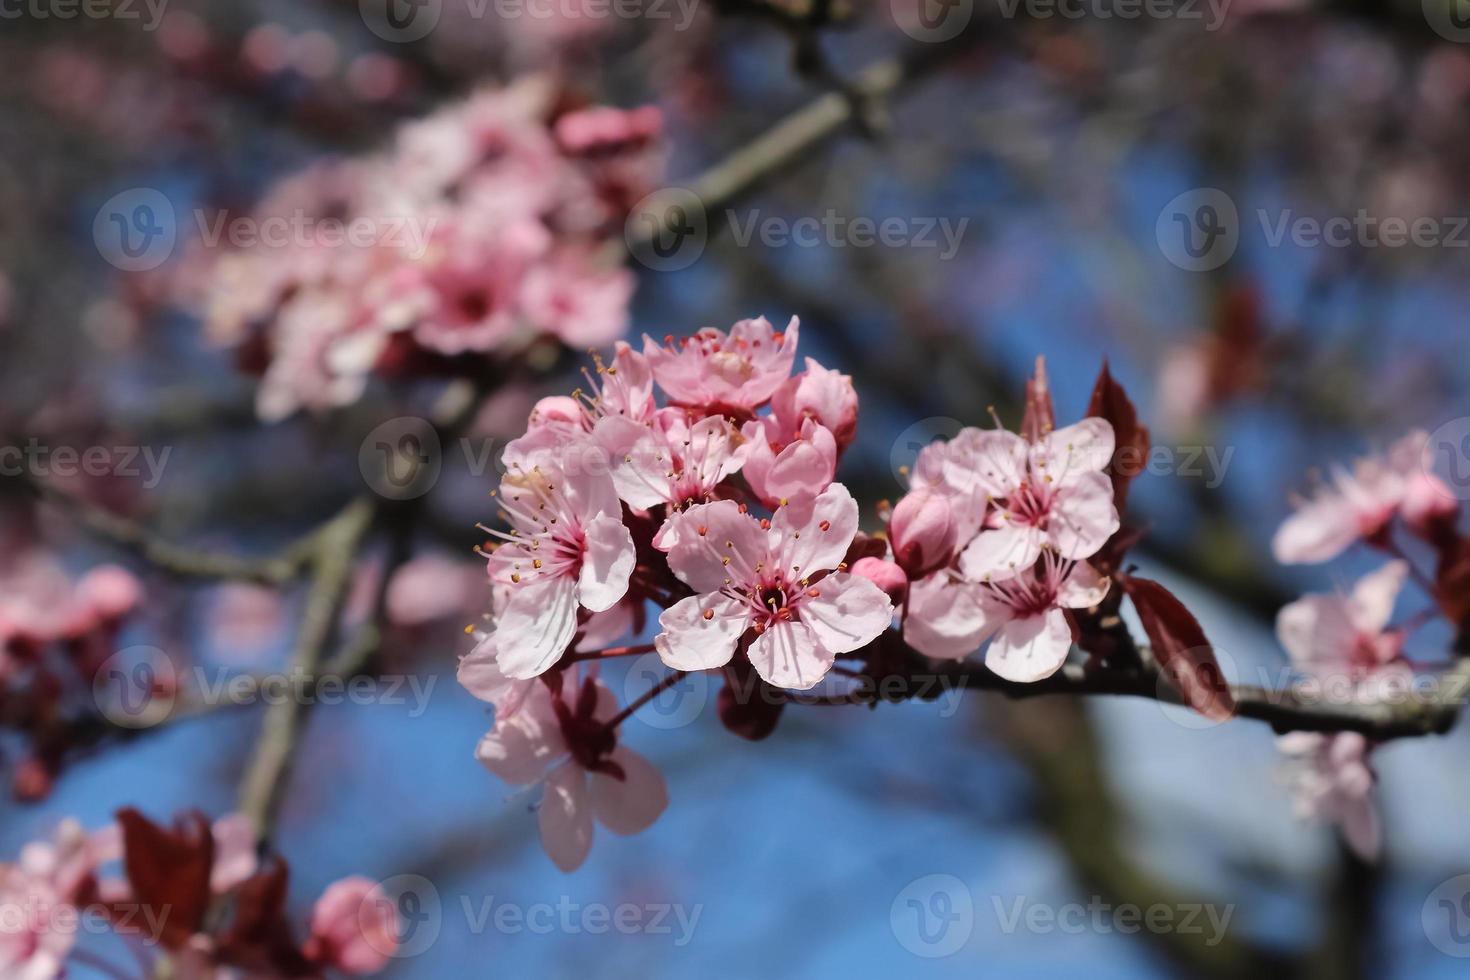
(720, 505)
(56, 635)
(485, 227)
(194, 896)
(1344, 642)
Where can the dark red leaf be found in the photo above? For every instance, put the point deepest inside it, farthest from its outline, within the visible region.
(1181, 648)
(1130, 454)
(169, 871)
(259, 936)
(1452, 583)
(749, 707)
(1041, 416)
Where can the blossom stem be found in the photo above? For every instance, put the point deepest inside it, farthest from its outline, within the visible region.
(646, 697)
(611, 652)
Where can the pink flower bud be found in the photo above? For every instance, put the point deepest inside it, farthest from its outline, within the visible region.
(1429, 507)
(884, 574)
(354, 927)
(922, 530)
(817, 393)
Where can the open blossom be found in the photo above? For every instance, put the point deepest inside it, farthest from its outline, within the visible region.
(1331, 781)
(354, 927)
(1023, 617)
(669, 461)
(1346, 633)
(736, 372)
(561, 739)
(1052, 493)
(567, 548)
(776, 578)
(1359, 505)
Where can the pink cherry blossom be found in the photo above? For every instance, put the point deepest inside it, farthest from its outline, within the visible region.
(1331, 780)
(1053, 494)
(669, 461)
(788, 472)
(1358, 505)
(235, 857)
(572, 296)
(736, 372)
(567, 547)
(480, 674)
(32, 945)
(561, 741)
(354, 927)
(1023, 617)
(776, 578)
(822, 395)
(1346, 634)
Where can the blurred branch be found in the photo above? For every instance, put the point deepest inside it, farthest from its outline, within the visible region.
(1059, 748)
(172, 558)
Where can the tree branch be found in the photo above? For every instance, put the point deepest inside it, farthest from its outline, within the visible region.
(1285, 710)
